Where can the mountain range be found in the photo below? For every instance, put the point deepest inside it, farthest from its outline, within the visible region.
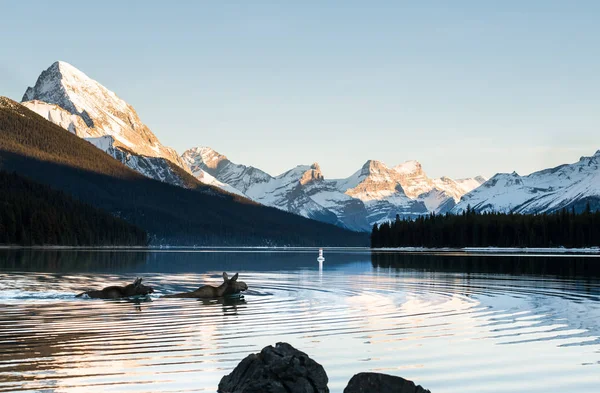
(374, 193)
(549, 190)
(69, 98)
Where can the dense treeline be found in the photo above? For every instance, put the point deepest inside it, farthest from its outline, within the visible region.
(34, 214)
(471, 229)
(48, 154)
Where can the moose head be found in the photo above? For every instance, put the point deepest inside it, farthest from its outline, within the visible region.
(137, 289)
(233, 285)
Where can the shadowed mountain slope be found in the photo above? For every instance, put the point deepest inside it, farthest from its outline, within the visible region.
(47, 153)
(34, 214)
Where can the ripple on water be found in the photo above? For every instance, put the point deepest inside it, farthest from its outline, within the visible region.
(450, 332)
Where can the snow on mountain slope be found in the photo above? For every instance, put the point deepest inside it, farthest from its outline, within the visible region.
(378, 187)
(373, 194)
(469, 184)
(351, 212)
(437, 201)
(404, 189)
(286, 191)
(418, 185)
(544, 191)
(96, 111)
(153, 167)
(303, 190)
(69, 98)
(412, 178)
(62, 118)
(377, 182)
(212, 181)
(406, 186)
(240, 177)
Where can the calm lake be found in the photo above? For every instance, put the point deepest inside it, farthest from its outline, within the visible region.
(450, 322)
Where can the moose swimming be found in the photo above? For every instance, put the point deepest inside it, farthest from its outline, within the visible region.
(118, 292)
(229, 286)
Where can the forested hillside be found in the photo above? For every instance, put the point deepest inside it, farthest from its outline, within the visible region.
(471, 229)
(46, 153)
(34, 214)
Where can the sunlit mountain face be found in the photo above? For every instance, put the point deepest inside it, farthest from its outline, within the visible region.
(373, 194)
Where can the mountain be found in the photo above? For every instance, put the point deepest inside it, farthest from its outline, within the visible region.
(416, 185)
(152, 167)
(48, 154)
(157, 168)
(565, 186)
(69, 98)
(100, 111)
(284, 192)
(404, 189)
(374, 193)
(379, 188)
(196, 159)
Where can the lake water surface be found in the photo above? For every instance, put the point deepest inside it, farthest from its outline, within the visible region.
(450, 322)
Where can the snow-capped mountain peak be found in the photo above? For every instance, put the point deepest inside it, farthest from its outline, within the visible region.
(66, 86)
(373, 167)
(312, 174)
(241, 177)
(208, 156)
(101, 111)
(69, 98)
(543, 191)
(409, 167)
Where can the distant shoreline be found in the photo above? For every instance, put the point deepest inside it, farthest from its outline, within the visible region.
(424, 250)
(496, 250)
(181, 248)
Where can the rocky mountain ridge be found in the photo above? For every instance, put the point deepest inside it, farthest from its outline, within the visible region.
(374, 193)
(548, 190)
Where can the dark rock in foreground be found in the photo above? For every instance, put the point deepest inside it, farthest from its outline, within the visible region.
(279, 369)
(381, 383)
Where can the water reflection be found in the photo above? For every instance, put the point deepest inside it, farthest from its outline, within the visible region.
(453, 323)
(49, 260)
(229, 304)
(177, 261)
(563, 266)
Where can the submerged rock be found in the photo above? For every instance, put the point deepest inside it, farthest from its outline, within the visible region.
(381, 383)
(279, 369)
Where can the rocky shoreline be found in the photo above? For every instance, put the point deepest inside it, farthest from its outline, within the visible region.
(284, 369)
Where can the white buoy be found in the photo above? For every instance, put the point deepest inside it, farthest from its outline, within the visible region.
(320, 259)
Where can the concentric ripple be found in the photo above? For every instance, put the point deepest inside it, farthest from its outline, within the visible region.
(449, 331)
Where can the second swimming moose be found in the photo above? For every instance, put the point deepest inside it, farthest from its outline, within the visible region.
(119, 292)
(229, 286)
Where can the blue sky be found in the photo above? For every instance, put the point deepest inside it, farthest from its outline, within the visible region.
(464, 87)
